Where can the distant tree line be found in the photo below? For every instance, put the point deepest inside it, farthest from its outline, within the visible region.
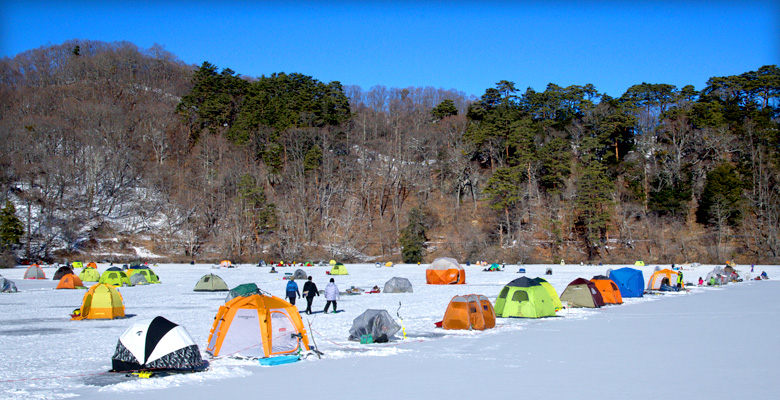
(106, 144)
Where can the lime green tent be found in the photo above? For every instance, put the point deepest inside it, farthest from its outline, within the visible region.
(524, 298)
(339, 269)
(551, 291)
(639, 263)
(77, 264)
(89, 275)
(147, 272)
(115, 276)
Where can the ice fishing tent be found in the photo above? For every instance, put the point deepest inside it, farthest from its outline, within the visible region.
(493, 267)
(62, 271)
(551, 291)
(242, 290)
(115, 276)
(7, 286)
(89, 275)
(608, 289)
(377, 323)
(717, 277)
(582, 293)
(526, 298)
(398, 285)
(147, 272)
(256, 326)
(156, 344)
(211, 283)
(630, 281)
(472, 311)
(34, 272)
(226, 264)
(77, 264)
(102, 301)
(138, 279)
(639, 263)
(91, 265)
(389, 264)
(731, 274)
(445, 271)
(299, 274)
(339, 269)
(661, 277)
(70, 281)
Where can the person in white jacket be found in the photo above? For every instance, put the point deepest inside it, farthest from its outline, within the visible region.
(331, 295)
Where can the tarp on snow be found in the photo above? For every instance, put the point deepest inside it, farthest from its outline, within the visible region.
(377, 323)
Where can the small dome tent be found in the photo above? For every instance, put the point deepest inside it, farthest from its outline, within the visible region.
(62, 271)
(156, 344)
(398, 285)
(77, 264)
(472, 311)
(445, 271)
(102, 301)
(226, 264)
(91, 265)
(115, 276)
(256, 326)
(582, 293)
(138, 279)
(210, 283)
(526, 298)
(70, 281)
(608, 289)
(34, 272)
(242, 290)
(7, 286)
(89, 275)
(339, 269)
(661, 277)
(300, 274)
(630, 281)
(377, 323)
(147, 272)
(639, 263)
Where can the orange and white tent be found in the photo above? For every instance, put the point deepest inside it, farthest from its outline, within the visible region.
(257, 326)
(660, 277)
(226, 264)
(473, 311)
(70, 281)
(445, 271)
(91, 265)
(609, 290)
(34, 272)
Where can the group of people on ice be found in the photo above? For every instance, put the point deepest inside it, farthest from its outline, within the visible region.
(310, 290)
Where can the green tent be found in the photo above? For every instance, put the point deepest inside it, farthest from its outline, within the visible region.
(493, 267)
(147, 272)
(211, 283)
(338, 269)
(89, 275)
(242, 290)
(526, 298)
(551, 291)
(115, 276)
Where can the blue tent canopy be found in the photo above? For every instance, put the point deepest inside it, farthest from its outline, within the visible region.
(630, 281)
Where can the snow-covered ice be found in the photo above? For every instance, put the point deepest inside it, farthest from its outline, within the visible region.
(708, 343)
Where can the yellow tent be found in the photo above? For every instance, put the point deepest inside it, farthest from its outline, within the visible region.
(115, 276)
(102, 301)
(339, 269)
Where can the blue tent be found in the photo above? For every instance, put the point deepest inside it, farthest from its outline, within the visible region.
(630, 281)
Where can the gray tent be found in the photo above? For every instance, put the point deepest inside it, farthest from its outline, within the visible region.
(398, 285)
(7, 286)
(138, 279)
(377, 323)
(211, 283)
(300, 274)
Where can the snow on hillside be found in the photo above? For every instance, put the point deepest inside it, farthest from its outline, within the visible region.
(708, 343)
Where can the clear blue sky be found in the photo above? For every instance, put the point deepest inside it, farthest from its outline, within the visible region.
(466, 45)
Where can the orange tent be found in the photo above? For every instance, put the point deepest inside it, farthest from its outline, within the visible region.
(70, 281)
(256, 326)
(91, 265)
(469, 312)
(609, 290)
(226, 264)
(445, 271)
(664, 276)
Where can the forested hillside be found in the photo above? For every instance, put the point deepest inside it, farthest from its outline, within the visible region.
(110, 151)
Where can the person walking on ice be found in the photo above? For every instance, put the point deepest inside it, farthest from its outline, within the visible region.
(309, 291)
(331, 295)
(292, 291)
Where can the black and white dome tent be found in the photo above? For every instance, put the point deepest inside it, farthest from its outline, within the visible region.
(158, 344)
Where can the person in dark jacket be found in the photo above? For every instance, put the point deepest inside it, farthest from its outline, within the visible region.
(309, 291)
(292, 291)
